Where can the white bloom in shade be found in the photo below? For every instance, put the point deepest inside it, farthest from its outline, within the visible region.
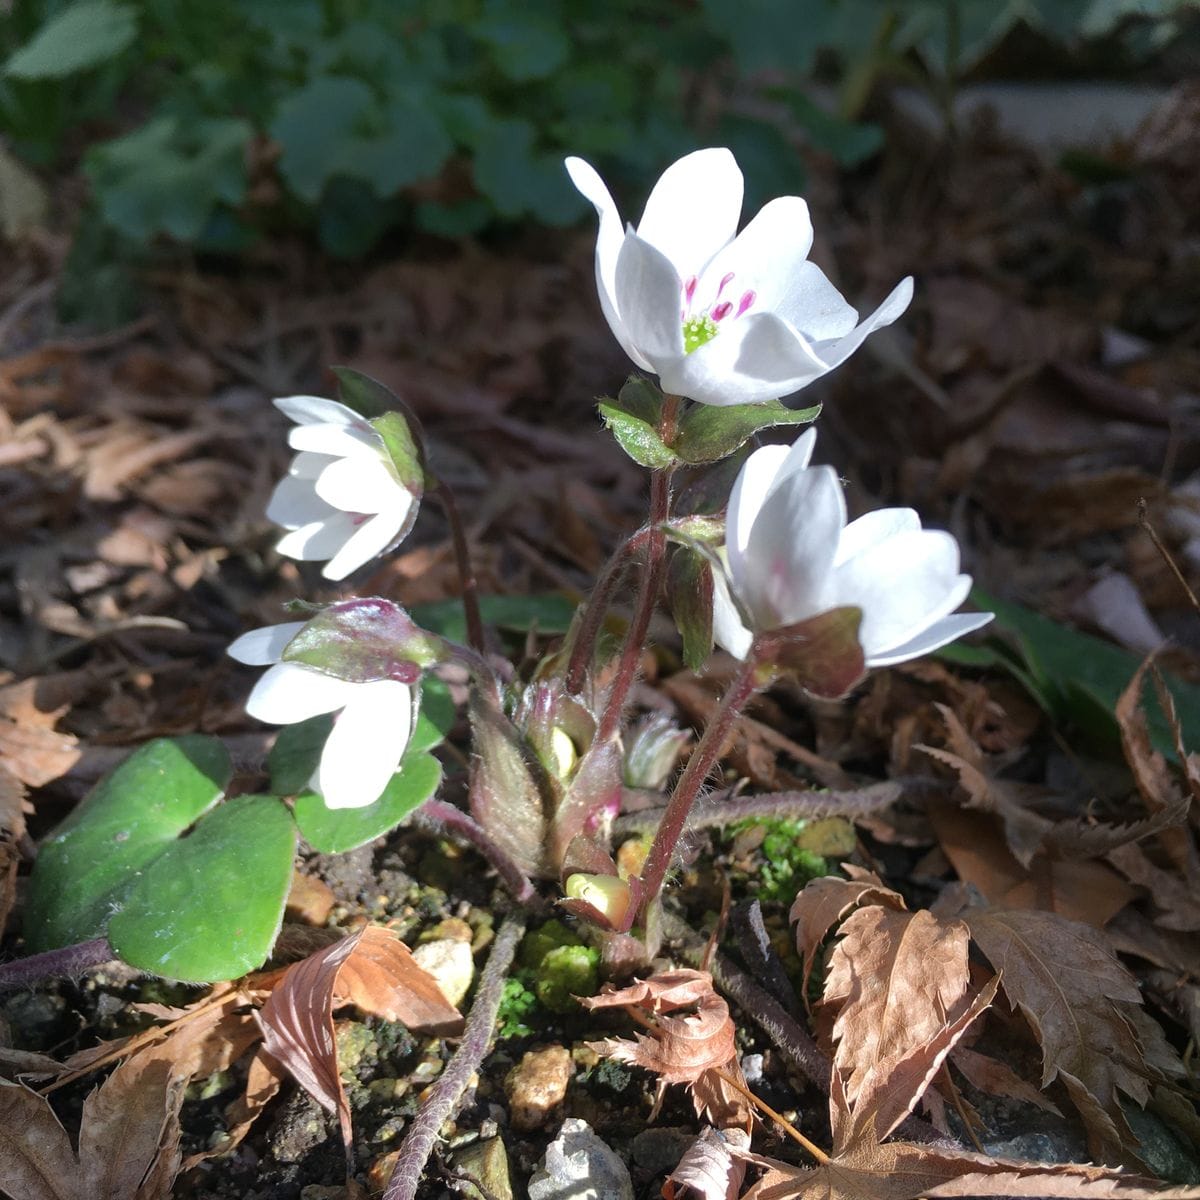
(791, 556)
(370, 733)
(720, 316)
(341, 498)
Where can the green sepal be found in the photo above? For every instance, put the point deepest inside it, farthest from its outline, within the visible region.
(336, 830)
(88, 865)
(363, 640)
(403, 451)
(369, 398)
(634, 418)
(211, 905)
(690, 593)
(822, 653)
(709, 433)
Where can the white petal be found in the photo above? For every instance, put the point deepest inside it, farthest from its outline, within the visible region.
(728, 629)
(872, 529)
(648, 299)
(295, 502)
(694, 209)
(785, 573)
(812, 305)
(939, 634)
(753, 358)
(261, 647)
(608, 245)
(319, 540)
(316, 410)
(288, 693)
(372, 537)
(903, 585)
(338, 441)
(761, 473)
(360, 485)
(368, 740)
(895, 304)
(308, 464)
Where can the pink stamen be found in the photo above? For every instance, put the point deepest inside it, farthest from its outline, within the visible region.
(689, 289)
(745, 302)
(724, 284)
(721, 311)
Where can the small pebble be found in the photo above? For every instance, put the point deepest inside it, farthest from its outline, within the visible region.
(450, 963)
(579, 1166)
(537, 1085)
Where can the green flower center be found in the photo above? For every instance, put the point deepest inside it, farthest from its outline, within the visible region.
(697, 331)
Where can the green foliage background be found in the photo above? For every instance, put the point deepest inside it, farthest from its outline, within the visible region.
(215, 124)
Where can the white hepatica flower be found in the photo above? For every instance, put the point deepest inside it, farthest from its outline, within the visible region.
(792, 556)
(370, 733)
(721, 317)
(340, 499)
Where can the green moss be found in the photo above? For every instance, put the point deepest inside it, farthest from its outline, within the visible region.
(517, 1003)
(787, 865)
(567, 972)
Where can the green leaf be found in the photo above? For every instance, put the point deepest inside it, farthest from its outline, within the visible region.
(82, 36)
(850, 142)
(89, 863)
(520, 179)
(523, 46)
(437, 715)
(637, 438)
(1079, 678)
(293, 759)
(210, 906)
(709, 433)
(335, 126)
(690, 588)
(168, 176)
(335, 830)
(549, 614)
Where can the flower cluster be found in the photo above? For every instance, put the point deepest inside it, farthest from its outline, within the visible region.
(731, 323)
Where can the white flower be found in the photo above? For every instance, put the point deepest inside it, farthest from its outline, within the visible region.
(341, 499)
(792, 556)
(720, 318)
(370, 733)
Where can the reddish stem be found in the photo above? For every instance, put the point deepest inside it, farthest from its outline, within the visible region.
(65, 963)
(466, 572)
(703, 759)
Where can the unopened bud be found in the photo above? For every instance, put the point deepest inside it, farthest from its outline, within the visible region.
(654, 749)
(605, 893)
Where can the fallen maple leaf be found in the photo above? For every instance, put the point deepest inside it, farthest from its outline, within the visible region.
(372, 969)
(1078, 1000)
(128, 1140)
(695, 1048)
(709, 1170)
(29, 710)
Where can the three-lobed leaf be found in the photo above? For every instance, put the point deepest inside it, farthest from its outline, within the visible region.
(709, 433)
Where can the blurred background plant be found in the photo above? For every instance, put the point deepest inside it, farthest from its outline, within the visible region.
(214, 126)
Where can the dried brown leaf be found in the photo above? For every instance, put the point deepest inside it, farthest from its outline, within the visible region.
(894, 979)
(29, 747)
(128, 1140)
(1066, 981)
(12, 830)
(695, 1049)
(990, 1075)
(309, 900)
(708, 1169)
(365, 968)
(823, 903)
(263, 1080)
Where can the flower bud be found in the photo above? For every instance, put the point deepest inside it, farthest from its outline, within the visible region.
(655, 745)
(607, 894)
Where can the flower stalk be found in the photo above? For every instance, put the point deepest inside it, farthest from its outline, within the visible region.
(466, 571)
(705, 756)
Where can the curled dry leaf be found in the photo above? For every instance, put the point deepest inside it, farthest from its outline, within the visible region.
(823, 903)
(128, 1139)
(709, 1170)
(29, 710)
(694, 1048)
(372, 969)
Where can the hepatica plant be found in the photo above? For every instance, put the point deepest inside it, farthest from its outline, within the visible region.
(178, 873)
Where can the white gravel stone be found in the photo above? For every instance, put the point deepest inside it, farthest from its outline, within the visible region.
(450, 963)
(579, 1166)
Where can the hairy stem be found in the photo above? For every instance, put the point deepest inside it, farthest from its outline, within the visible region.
(466, 572)
(701, 762)
(55, 964)
(597, 607)
(656, 547)
(446, 1094)
(445, 817)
